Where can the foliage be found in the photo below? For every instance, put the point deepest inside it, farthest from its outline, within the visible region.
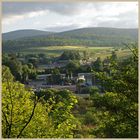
(16, 106)
(22, 72)
(24, 115)
(82, 37)
(70, 55)
(60, 105)
(97, 65)
(118, 107)
(72, 67)
(111, 110)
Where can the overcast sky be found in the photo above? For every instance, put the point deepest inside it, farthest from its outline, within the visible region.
(53, 16)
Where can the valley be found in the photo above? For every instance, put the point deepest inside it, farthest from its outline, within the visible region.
(70, 69)
(78, 79)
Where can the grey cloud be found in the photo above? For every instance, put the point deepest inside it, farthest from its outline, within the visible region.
(125, 23)
(132, 15)
(65, 8)
(18, 8)
(126, 20)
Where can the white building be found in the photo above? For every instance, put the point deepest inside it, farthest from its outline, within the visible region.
(86, 77)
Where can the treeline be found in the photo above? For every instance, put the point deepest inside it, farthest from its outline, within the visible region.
(20, 70)
(25, 44)
(24, 67)
(78, 37)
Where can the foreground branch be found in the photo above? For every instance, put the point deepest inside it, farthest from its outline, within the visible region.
(28, 120)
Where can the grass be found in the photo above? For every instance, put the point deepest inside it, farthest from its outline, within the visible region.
(58, 50)
(93, 52)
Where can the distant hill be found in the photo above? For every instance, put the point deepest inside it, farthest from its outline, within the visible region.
(102, 32)
(92, 37)
(23, 34)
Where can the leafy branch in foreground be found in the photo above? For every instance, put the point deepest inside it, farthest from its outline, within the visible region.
(117, 115)
(24, 115)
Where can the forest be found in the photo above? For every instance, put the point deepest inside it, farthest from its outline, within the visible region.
(109, 111)
(18, 41)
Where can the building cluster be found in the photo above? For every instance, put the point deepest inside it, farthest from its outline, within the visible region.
(82, 80)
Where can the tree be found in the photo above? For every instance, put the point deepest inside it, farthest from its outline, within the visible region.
(97, 65)
(85, 55)
(72, 66)
(117, 115)
(21, 72)
(15, 67)
(114, 56)
(17, 108)
(60, 110)
(6, 74)
(24, 115)
(70, 55)
(25, 75)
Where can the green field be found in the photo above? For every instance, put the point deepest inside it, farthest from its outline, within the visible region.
(58, 50)
(93, 52)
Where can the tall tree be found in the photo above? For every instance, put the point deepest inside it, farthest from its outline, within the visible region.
(117, 115)
(97, 65)
(24, 115)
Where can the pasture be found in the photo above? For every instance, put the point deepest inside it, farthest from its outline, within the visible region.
(92, 52)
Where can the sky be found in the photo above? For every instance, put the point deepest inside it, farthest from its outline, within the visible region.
(63, 16)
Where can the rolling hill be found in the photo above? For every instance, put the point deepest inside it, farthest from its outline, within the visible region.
(102, 31)
(23, 34)
(92, 37)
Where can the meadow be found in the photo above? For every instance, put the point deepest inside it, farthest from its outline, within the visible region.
(93, 52)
